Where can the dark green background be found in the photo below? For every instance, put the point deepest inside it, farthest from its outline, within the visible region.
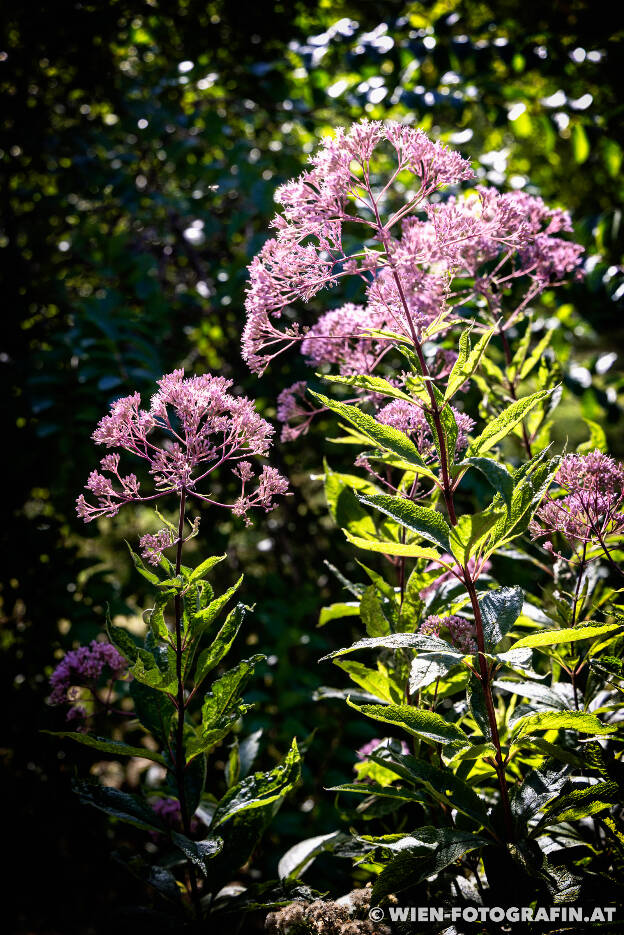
(102, 292)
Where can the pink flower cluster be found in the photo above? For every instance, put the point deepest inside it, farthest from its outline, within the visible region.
(193, 426)
(84, 667)
(590, 508)
(410, 419)
(496, 240)
(461, 632)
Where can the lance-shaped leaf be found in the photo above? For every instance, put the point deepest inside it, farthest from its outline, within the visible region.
(346, 511)
(109, 746)
(468, 359)
(120, 805)
(296, 861)
(529, 491)
(204, 567)
(403, 549)
(372, 615)
(441, 783)
(504, 423)
(427, 523)
(367, 382)
(383, 435)
(565, 635)
(139, 564)
(470, 532)
(226, 690)
(220, 646)
(416, 721)
(559, 720)
(542, 694)
(495, 473)
(580, 803)
(499, 611)
(122, 640)
(382, 792)
(478, 706)
(376, 681)
(202, 619)
(439, 848)
(448, 424)
(147, 670)
(260, 790)
(398, 641)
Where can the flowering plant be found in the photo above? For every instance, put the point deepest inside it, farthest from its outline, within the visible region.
(150, 695)
(508, 694)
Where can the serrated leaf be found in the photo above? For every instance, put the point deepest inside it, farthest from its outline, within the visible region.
(403, 549)
(565, 635)
(504, 423)
(397, 641)
(109, 746)
(220, 646)
(383, 435)
(469, 533)
(580, 803)
(468, 359)
(559, 720)
(200, 853)
(204, 567)
(416, 721)
(261, 789)
(120, 805)
(337, 611)
(427, 523)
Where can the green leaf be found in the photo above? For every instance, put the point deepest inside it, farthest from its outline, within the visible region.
(468, 359)
(203, 619)
(226, 690)
(565, 635)
(580, 143)
(153, 709)
(337, 611)
(120, 805)
(298, 858)
(260, 790)
(404, 549)
(426, 668)
(204, 567)
(535, 355)
(346, 511)
(469, 533)
(499, 611)
(533, 691)
(109, 746)
(371, 613)
(397, 641)
(383, 435)
(374, 788)
(539, 786)
(150, 576)
(504, 423)
(432, 851)
(441, 784)
(529, 490)
(377, 682)
(478, 706)
(427, 725)
(496, 474)
(213, 654)
(597, 439)
(427, 523)
(580, 803)
(559, 720)
(200, 853)
(367, 382)
(122, 640)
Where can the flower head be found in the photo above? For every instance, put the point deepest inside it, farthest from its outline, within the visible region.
(410, 419)
(193, 426)
(84, 667)
(591, 505)
(461, 632)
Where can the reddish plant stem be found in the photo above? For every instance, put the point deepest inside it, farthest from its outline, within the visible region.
(180, 757)
(447, 491)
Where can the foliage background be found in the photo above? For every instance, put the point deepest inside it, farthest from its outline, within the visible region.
(141, 144)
